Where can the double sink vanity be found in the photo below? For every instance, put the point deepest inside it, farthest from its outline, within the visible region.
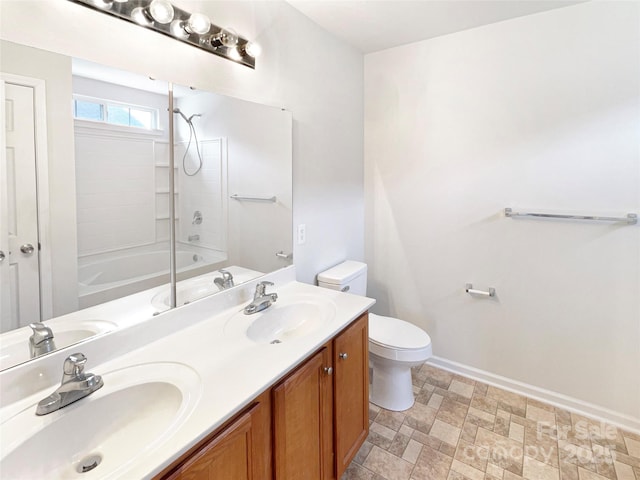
(280, 393)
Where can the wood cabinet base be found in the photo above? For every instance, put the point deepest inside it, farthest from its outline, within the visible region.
(308, 426)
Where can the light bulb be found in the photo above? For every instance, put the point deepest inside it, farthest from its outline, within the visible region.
(177, 29)
(103, 4)
(140, 17)
(234, 54)
(226, 37)
(252, 49)
(161, 11)
(198, 23)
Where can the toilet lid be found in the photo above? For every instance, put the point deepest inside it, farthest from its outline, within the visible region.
(396, 333)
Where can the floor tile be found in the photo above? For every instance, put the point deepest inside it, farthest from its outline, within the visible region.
(461, 429)
(633, 447)
(467, 470)
(463, 389)
(389, 466)
(624, 472)
(412, 452)
(535, 470)
(445, 432)
(584, 474)
(431, 465)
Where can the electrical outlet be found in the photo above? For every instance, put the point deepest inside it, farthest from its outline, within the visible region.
(302, 234)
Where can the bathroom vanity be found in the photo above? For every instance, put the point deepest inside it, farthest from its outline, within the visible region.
(308, 425)
(279, 394)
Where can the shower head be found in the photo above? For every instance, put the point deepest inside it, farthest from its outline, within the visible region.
(179, 112)
(188, 120)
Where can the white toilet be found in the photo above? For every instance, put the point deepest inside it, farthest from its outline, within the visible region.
(394, 345)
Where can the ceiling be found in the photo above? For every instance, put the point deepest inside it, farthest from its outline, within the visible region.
(372, 25)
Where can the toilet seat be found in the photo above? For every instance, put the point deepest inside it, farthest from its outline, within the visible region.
(396, 339)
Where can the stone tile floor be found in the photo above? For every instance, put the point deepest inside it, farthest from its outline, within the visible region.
(460, 429)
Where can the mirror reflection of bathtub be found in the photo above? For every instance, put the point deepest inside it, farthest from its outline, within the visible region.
(112, 275)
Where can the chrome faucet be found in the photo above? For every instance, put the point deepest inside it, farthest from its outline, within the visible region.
(225, 282)
(261, 299)
(75, 385)
(41, 340)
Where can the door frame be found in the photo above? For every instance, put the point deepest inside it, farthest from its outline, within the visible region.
(42, 181)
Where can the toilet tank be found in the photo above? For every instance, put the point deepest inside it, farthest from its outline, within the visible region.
(349, 276)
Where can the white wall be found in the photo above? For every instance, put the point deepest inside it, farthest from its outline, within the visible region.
(537, 113)
(303, 69)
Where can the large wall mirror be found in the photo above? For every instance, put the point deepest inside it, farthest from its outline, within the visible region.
(85, 181)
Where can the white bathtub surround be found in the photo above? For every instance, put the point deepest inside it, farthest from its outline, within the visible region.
(193, 336)
(115, 187)
(537, 113)
(204, 192)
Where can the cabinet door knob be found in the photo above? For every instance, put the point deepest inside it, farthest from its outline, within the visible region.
(343, 356)
(328, 370)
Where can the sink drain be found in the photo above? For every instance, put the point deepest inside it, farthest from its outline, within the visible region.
(273, 342)
(89, 463)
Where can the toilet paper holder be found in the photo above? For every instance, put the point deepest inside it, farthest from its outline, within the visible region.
(472, 291)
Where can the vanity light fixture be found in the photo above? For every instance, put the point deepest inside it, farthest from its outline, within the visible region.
(195, 29)
(197, 23)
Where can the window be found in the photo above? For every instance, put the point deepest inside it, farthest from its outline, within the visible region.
(97, 110)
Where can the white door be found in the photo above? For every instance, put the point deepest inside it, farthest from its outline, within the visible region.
(20, 269)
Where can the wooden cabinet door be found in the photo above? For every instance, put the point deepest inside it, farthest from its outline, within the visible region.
(240, 452)
(351, 360)
(303, 422)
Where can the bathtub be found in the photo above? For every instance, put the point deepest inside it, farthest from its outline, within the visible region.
(105, 277)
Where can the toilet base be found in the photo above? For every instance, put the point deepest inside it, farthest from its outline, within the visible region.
(391, 387)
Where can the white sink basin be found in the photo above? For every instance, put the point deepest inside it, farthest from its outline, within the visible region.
(136, 410)
(14, 345)
(199, 287)
(284, 320)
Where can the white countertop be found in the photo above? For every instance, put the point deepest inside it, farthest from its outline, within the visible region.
(232, 369)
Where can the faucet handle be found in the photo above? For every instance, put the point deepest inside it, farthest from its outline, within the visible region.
(41, 333)
(227, 278)
(74, 365)
(261, 288)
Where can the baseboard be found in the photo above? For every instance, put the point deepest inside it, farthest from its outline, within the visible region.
(590, 410)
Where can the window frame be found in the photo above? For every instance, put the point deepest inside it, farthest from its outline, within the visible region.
(105, 103)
